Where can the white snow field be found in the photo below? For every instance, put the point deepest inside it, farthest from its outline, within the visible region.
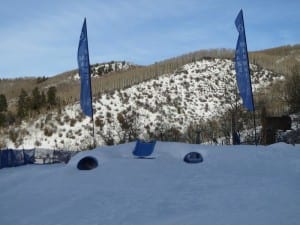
(234, 185)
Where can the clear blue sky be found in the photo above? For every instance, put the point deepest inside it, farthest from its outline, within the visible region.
(40, 38)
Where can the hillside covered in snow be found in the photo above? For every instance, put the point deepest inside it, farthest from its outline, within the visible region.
(195, 92)
(101, 69)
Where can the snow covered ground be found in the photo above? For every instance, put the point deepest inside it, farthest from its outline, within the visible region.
(234, 185)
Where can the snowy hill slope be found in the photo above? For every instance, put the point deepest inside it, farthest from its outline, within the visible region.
(234, 185)
(195, 92)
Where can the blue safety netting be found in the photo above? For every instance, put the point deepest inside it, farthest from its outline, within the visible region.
(29, 156)
(17, 157)
(10, 157)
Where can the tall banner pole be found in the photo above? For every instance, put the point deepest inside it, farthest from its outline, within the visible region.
(243, 69)
(85, 77)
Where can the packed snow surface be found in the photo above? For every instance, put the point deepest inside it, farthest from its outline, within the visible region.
(233, 185)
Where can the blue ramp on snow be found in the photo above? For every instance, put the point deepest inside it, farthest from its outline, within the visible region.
(143, 148)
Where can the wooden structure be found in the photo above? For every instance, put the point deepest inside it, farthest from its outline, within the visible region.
(270, 125)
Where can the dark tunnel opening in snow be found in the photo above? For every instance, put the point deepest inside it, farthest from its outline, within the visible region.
(87, 163)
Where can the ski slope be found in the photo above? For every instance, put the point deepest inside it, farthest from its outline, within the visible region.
(242, 185)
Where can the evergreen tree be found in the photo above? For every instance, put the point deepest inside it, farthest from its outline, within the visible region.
(36, 99)
(3, 103)
(51, 96)
(23, 104)
(2, 119)
(43, 99)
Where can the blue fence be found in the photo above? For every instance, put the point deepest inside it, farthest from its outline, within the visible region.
(15, 157)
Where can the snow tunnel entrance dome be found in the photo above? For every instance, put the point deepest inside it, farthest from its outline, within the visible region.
(193, 157)
(87, 163)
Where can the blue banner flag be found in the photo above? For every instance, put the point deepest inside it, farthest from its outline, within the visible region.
(84, 72)
(242, 65)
